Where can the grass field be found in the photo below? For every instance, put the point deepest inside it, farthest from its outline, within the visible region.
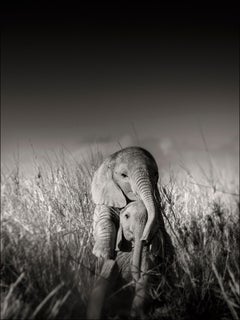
(47, 268)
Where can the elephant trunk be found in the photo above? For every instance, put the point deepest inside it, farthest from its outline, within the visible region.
(144, 188)
(137, 259)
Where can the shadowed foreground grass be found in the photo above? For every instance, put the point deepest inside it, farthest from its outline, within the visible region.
(47, 268)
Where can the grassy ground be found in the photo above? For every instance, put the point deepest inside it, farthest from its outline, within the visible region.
(47, 268)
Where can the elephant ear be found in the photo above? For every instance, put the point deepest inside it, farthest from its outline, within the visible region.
(121, 243)
(104, 189)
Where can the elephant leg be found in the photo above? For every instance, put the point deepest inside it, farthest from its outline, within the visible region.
(118, 302)
(141, 295)
(102, 286)
(105, 226)
(140, 298)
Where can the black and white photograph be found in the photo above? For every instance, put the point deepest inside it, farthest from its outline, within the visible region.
(119, 161)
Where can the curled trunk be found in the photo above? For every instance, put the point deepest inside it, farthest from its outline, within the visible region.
(139, 300)
(144, 188)
(136, 260)
(136, 266)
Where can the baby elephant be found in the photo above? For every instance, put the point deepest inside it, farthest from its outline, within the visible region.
(134, 262)
(133, 219)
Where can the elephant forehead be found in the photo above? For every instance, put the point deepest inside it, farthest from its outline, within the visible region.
(133, 164)
(135, 207)
(138, 204)
(130, 156)
(131, 153)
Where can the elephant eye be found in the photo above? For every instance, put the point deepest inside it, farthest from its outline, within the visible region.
(123, 175)
(126, 215)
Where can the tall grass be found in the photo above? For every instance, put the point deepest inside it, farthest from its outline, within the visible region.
(47, 267)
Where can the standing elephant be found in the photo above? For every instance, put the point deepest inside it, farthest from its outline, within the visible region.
(127, 175)
(135, 261)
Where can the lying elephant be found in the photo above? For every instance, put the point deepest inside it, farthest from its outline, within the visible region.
(137, 266)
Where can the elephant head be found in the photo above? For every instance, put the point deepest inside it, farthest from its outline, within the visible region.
(127, 175)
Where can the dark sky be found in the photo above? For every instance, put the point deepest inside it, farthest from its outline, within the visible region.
(108, 74)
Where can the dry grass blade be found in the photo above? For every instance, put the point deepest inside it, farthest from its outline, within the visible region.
(229, 303)
(10, 292)
(48, 297)
(59, 303)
